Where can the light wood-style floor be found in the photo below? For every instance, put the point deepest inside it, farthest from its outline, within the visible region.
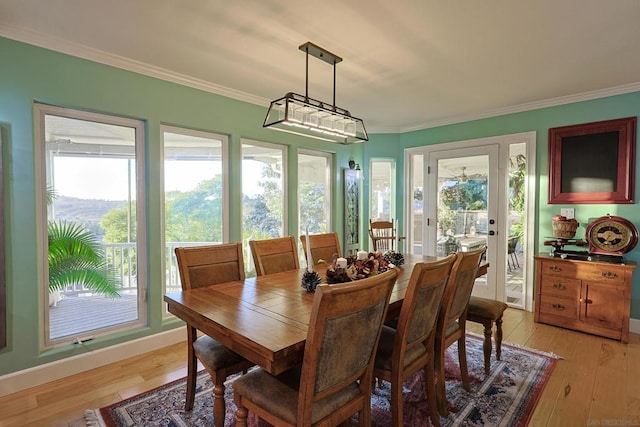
(596, 384)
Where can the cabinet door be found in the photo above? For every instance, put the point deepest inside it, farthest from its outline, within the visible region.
(601, 304)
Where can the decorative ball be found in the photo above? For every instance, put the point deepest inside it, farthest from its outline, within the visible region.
(395, 258)
(310, 280)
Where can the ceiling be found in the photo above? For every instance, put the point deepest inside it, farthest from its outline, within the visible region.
(407, 64)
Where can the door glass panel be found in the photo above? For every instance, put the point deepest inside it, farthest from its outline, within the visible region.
(417, 205)
(516, 225)
(463, 223)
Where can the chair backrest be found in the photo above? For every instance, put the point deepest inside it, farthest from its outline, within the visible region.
(382, 235)
(459, 286)
(209, 265)
(274, 255)
(323, 247)
(342, 338)
(420, 307)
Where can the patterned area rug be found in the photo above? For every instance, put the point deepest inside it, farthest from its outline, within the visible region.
(506, 397)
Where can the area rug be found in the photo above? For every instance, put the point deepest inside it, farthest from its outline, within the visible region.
(505, 397)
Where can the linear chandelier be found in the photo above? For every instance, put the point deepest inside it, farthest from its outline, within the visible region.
(309, 117)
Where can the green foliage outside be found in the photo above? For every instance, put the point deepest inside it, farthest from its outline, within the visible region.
(76, 256)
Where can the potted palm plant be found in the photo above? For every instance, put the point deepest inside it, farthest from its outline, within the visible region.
(76, 257)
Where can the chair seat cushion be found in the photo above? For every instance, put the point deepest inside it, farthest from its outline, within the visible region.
(384, 354)
(260, 387)
(213, 354)
(486, 308)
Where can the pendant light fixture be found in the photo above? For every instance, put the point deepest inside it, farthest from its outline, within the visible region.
(306, 116)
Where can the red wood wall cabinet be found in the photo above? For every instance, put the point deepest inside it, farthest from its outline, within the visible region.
(593, 162)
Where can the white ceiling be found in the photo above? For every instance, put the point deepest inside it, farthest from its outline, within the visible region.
(408, 64)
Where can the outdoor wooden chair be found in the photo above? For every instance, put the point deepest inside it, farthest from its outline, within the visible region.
(404, 351)
(383, 235)
(324, 247)
(452, 320)
(204, 266)
(335, 378)
(274, 255)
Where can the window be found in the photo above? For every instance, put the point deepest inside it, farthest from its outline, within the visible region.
(382, 196)
(314, 191)
(90, 173)
(263, 194)
(195, 193)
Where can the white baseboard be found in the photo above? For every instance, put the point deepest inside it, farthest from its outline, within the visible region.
(634, 326)
(31, 377)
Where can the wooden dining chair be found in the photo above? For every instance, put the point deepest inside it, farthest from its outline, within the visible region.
(335, 378)
(274, 255)
(324, 247)
(383, 235)
(452, 319)
(204, 266)
(410, 347)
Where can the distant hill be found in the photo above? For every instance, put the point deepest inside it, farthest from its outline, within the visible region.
(85, 211)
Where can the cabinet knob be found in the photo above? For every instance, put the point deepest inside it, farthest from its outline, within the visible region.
(586, 300)
(609, 275)
(558, 307)
(554, 268)
(559, 286)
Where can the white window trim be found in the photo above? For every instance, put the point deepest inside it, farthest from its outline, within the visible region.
(40, 111)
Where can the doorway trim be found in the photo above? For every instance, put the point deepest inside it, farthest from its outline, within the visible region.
(529, 138)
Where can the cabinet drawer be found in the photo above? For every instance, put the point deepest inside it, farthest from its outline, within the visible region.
(563, 307)
(561, 286)
(558, 268)
(601, 273)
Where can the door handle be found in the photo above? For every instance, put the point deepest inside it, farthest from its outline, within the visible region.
(492, 233)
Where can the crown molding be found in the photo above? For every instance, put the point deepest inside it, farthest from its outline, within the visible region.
(45, 41)
(42, 40)
(536, 105)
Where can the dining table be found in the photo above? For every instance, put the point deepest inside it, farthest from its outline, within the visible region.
(264, 319)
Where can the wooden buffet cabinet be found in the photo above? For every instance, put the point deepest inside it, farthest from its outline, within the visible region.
(588, 296)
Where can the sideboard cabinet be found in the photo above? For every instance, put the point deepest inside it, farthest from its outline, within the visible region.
(587, 296)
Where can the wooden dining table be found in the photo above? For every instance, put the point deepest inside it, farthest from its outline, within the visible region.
(265, 319)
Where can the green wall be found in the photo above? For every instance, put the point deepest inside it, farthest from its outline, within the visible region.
(539, 121)
(30, 74)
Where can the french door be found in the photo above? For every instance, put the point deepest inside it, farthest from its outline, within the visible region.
(465, 207)
(473, 193)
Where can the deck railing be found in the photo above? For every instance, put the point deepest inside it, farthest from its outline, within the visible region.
(122, 258)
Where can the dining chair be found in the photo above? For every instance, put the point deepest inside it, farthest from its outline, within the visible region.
(324, 247)
(204, 266)
(335, 378)
(383, 235)
(274, 255)
(405, 350)
(452, 319)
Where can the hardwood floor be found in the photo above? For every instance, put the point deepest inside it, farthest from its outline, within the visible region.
(596, 384)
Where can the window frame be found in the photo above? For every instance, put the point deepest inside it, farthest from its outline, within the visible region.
(40, 174)
(224, 139)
